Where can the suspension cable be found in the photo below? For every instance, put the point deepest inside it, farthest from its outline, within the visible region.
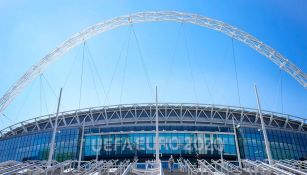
(281, 91)
(2, 124)
(72, 66)
(171, 60)
(93, 64)
(190, 65)
(125, 68)
(6, 117)
(94, 80)
(49, 85)
(143, 62)
(208, 87)
(236, 72)
(45, 98)
(92, 69)
(114, 72)
(53, 92)
(25, 100)
(40, 94)
(81, 77)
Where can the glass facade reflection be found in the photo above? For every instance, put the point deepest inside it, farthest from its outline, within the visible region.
(142, 145)
(130, 141)
(288, 145)
(35, 146)
(284, 144)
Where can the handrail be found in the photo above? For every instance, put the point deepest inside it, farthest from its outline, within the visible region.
(10, 168)
(112, 165)
(96, 167)
(265, 167)
(128, 169)
(182, 167)
(291, 169)
(209, 168)
(155, 169)
(84, 166)
(125, 167)
(225, 166)
(16, 170)
(277, 170)
(40, 167)
(7, 163)
(61, 166)
(301, 165)
(191, 168)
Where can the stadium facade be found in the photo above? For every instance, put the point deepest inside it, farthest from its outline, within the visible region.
(126, 131)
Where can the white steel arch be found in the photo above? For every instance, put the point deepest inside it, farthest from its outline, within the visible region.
(141, 17)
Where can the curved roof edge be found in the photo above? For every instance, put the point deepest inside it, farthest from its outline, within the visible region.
(168, 113)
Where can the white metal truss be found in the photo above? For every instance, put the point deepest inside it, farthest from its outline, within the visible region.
(141, 17)
(169, 114)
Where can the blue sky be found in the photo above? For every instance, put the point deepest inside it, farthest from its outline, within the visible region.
(188, 63)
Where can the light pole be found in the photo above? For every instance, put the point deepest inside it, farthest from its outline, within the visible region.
(81, 146)
(221, 151)
(157, 129)
(55, 126)
(237, 142)
(97, 150)
(266, 140)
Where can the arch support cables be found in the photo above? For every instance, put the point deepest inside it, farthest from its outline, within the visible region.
(141, 17)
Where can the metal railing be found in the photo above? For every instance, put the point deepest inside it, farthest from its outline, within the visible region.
(181, 165)
(294, 166)
(191, 169)
(209, 168)
(115, 167)
(149, 168)
(261, 167)
(226, 167)
(128, 169)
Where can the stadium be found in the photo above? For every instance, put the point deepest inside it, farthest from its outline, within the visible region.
(183, 127)
(94, 139)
